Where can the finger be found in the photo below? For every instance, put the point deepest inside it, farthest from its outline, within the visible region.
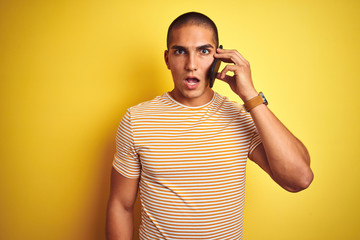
(226, 79)
(237, 53)
(241, 56)
(226, 69)
(231, 56)
(228, 52)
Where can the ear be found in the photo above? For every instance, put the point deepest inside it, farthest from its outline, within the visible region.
(166, 57)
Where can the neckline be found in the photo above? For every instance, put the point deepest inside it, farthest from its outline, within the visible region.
(188, 107)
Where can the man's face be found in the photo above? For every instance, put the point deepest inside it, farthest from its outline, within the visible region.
(189, 58)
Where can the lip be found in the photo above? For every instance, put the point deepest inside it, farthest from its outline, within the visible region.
(191, 82)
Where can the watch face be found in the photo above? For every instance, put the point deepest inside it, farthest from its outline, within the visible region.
(264, 99)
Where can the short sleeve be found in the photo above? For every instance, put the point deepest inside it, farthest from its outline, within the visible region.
(255, 141)
(126, 160)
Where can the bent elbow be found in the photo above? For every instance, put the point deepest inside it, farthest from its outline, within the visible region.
(302, 184)
(309, 178)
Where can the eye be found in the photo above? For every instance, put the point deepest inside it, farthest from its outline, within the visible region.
(179, 51)
(205, 51)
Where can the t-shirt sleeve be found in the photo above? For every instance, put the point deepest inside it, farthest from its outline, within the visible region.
(126, 160)
(255, 141)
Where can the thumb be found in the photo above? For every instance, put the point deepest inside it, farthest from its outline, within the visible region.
(226, 79)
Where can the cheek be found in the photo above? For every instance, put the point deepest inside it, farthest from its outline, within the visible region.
(207, 64)
(176, 67)
(176, 72)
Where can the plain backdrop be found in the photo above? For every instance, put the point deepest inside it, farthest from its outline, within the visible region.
(70, 69)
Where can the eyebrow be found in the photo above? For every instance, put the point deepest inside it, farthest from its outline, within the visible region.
(177, 47)
(205, 46)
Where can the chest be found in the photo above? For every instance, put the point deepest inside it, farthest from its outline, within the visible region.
(192, 147)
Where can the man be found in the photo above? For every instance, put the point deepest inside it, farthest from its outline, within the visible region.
(187, 149)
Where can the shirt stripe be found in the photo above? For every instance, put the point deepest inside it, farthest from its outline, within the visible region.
(192, 163)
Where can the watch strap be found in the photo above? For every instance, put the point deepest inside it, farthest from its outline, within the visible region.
(255, 101)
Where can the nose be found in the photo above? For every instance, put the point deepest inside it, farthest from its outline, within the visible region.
(191, 62)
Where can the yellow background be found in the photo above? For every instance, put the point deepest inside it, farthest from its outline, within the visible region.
(69, 69)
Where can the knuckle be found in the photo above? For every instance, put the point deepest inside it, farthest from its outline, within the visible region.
(235, 52)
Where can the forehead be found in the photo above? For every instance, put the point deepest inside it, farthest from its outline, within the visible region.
(192, 35)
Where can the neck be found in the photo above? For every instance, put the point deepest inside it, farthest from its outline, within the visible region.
(193, 101)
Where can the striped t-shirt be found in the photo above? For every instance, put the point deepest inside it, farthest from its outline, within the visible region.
(191, 161)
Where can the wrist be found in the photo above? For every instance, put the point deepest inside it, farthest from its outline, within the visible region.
(255, 101)
(249, 95)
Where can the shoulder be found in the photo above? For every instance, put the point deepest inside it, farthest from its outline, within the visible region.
(233, 111)
(155, 105)
(230, 106)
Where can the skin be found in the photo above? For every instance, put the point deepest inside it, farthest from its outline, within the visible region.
(281, 154)
(119, 217)
(191, 53)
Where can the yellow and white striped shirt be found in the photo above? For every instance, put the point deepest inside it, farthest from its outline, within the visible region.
(192, 162)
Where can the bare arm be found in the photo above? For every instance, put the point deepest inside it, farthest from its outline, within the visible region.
(281, 154)
(119, 222)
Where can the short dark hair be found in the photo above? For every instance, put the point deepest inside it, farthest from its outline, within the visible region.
(193, 18)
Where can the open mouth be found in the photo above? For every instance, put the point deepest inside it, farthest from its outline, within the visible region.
(192, 81)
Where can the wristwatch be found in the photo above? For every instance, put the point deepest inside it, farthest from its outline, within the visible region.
(259, 99)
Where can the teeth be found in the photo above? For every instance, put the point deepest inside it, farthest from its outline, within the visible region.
(192, 80)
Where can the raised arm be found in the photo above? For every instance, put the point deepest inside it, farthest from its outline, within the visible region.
(119, 221)
(281, 154)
